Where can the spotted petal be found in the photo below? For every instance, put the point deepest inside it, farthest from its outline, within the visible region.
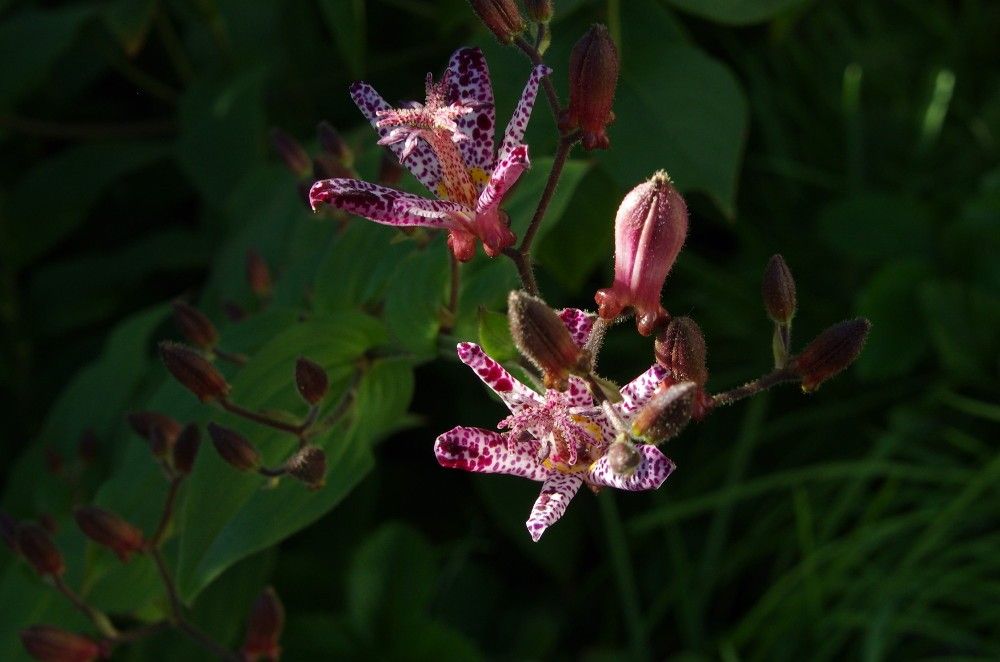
(522, 113)
(419, 158)
(638, 391)
(556, 494)
(385, 205)
(508, 169)
(579, 322)
(486, 451)
(514, 394)
(471, 78)
(649, 475)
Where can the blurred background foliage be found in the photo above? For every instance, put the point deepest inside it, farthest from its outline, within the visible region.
(859, 139)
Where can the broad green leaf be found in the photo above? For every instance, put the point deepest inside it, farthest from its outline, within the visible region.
(494, 335)
(521, 203)
(737, 12)
(873, 227)
(359, 262)
(484, 283)
(962, 322)
(346, 21)
(415, 297)
(129, 20)
(383, 396)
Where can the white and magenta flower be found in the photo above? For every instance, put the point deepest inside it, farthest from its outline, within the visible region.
(447, 143)
(560, 438)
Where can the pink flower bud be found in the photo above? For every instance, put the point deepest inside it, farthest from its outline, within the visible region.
(650, 229)
(543, 338)
(158, 429)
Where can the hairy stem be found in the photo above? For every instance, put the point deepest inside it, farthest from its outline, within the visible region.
(263, 419)
(780, 376)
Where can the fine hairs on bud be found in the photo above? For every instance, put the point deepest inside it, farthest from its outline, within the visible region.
(830, 352)
(543, 338)
(680, 348)
(309, 466)
(593, 78)
(623, 457)
(502, 17)
(666, 413)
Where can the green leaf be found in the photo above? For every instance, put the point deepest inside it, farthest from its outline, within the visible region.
(129, 20)
(357, 266)
(873, 227)
(737, 12)
(962, 322)
(415, 298)
(383, 396)
(346, 21)
(521, 203)
(494, 335)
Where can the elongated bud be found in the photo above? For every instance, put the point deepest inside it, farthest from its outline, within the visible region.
(623, 457)
(540, 11)
(311, 380)
(778, 290)
(8, 531)
(194, 325)
(593, 77)
(186, 449)
(234, 448)
(502, 17)
(37, 547)
(332, 144)
(309, 466)
(650, 229)
(680, 348)
(666, 413)
(87, 446)
(292, 153)
(830, 352)
(158, 429)
(258, 275)
(194, 372)
(264, 627)
(110, 530)
(50, 644)
(543, 338)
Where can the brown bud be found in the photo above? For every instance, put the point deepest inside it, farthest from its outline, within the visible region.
(666, 413)
(502, 17)
(234, 448)
(292, 153)
(50, 644)
(54, 462)
(624, 457)
(258, 275)
(543, 338)
(593, 77)
(158, 429)
(539, 10)
(311, 380)
(830, 352)
(87, 446)
(194, 372)
(110, 530)
(186, 449)
(332, 143)
(194, 325)
(8, 531)
(264, 626)
(37, 547)
(680, 348)
(309, 466)
(390, 170)
(778, 290)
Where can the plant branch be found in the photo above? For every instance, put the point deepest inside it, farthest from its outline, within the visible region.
(263, 419)
(168, 512)
(547, 86)
(94, 615)
(780, 376)
(233, 357)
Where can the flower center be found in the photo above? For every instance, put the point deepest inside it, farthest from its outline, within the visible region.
(568, 441)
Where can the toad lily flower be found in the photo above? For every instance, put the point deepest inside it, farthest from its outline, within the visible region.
(560, 438)
(447, 143)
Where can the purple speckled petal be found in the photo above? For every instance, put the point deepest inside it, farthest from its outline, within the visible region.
(385, 205)
(519, 120)
(649, 475)
(489, 452)
(638, 391)
(513, 393)
(471, 78)
(579, 322)
(508, 169)
(420, 160)
(577, 394)
(556, 494)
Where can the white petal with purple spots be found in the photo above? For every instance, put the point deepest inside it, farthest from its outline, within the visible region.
(471, 78)
(579, 322)
(508, 169)
(649, 475)
(385, 205)
(514, 394)
(557, 492)
(638, 391)
(522, 113)
(486, 451)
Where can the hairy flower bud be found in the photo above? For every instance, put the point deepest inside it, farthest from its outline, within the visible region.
(110, 530)
(292, 153)
(332, 144)
(539, 10)
(778, 290)
(8, 531)
(258, 275)
(623, 457)
(194, 372)
(158, 429)
(543, 338)
(680, 348)
(194, 325)
(309, 466)
(650, 228)
(666, 413)
(830, 352)
(234, 448)
(186, 449)
(37, 547)
(50, 644)
(593, 77)
(264, 627)
(311, 380)
(502, 17)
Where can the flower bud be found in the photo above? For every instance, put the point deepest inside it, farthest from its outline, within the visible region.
(186, 449)
(234, 448)
(830, 352)
(666, 413)
(778, 291)
(194, 325)
(680, 348)
(8, 531)
(87, 446)
(258, 275)
(311, 380)
(309, 466)
(650, 228)
(194, 372)
(540, 11)
(264, 626)
(623, 457)
(543, 338)
(292, 153)
(502, 17)
(158, 429)
(50, 644)
(332, 144)
(110, 530)
(37, 547)
(593, 76)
